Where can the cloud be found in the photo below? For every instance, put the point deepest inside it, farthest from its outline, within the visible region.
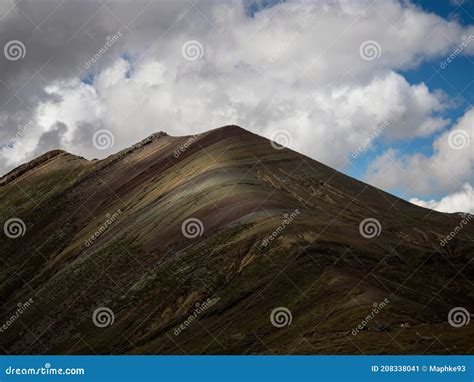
(327, 72)
(294, 66)
(318, 121)
(450, 165)
(460, 201)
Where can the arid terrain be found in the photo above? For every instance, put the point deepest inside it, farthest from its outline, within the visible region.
(276, 258)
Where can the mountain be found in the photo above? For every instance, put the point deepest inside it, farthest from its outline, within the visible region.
(224, 243)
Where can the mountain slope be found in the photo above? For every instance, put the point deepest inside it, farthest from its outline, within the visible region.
(270, 228)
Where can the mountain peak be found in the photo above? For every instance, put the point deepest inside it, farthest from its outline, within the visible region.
(230, 128)
(212, 220)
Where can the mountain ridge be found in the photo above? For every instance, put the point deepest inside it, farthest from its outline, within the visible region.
(32, 164)
(163, 225)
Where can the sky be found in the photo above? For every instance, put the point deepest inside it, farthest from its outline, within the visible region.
(380, 90)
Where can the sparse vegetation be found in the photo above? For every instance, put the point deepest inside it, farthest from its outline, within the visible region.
(151, 276)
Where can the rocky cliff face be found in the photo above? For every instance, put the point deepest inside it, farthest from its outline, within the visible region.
(224, 243)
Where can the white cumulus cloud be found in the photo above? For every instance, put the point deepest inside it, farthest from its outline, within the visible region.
(298, 66)
(450, 165)
(460, 201)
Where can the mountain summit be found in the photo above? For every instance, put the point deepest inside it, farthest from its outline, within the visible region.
(224, 243)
